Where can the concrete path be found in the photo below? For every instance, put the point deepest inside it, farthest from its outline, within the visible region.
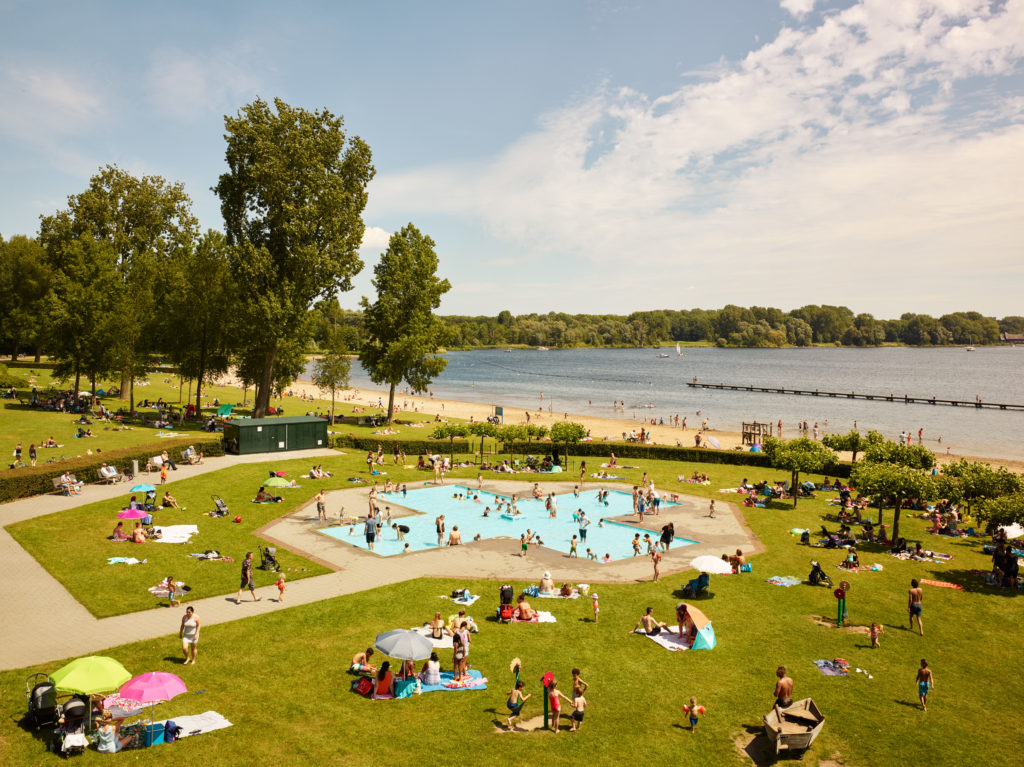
(44, 623)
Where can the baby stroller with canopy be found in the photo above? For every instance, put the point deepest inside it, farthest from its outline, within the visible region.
(818, 577)
(42, 700)
(268, 559)
(70, 729)
(221, 509)
(505, 608)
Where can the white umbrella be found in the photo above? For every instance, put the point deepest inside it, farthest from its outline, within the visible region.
(710, 564)
(1013, 531)
(404, 645)
(714, 443)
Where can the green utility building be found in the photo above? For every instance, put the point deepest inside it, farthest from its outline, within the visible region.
(275, 435)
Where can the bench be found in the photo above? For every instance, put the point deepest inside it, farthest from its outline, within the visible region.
(109, 479)
(58, 484)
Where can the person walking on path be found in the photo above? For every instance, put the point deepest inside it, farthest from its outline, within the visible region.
(914, 598)
(783, 689)
(189, 634)
(925, 682)
(247, 581)
(711, 509)
(656, 561)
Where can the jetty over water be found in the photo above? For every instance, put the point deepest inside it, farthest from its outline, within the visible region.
(904, 398)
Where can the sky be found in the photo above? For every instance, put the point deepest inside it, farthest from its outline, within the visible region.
(599, 157)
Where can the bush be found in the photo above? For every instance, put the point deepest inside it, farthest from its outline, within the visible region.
(583, 450)
(7, 380)
(38, 480)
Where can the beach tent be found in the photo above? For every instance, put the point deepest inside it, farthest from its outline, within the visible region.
(705, 639)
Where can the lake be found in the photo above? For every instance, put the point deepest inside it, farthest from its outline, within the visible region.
(587, 381)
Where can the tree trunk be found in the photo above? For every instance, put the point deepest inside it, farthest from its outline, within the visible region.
(896, 519)
(181, 388)
(39, 354)
(125, 382)
(259, 409)
(131, 395)
(201, 373)
(391, 403)
(332, 405)
(78, 377)
(14, 351)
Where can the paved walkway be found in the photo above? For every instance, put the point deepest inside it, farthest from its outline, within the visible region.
(44, 623)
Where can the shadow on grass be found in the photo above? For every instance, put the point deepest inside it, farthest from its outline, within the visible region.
(908, 704)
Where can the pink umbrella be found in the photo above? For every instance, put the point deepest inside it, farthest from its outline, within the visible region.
(132, 514)
(153, 687)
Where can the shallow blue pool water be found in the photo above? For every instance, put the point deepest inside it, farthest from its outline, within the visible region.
(612, 538)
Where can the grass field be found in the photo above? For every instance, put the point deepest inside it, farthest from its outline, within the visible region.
(281, 677)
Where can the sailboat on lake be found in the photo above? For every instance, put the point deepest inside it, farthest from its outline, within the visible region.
(679, 350)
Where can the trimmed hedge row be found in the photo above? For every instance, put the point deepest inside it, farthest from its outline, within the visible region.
(582, 449)
(38, 479)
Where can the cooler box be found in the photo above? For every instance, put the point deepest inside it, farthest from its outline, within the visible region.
(153, 735)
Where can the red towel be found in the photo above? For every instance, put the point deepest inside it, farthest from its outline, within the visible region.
(943, 585)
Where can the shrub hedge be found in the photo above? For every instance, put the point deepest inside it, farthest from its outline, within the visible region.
(582, 449)
(38, 479)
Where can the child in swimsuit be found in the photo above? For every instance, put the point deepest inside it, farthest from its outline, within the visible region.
(925, 681)
(556, 705)
(579, 704)
(597, 608)
(516, 699)
(693, 710)
(280, 587)
(875, 631)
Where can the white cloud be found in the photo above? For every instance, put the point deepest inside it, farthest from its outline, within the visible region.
(187, 86)
(797, 7)
(845, 148)
(375, 238)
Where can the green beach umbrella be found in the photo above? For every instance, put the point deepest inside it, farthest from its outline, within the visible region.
(276, 482)
(91, 674)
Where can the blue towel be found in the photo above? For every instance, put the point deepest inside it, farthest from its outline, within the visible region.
(449, 677)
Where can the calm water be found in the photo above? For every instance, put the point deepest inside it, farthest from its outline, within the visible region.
(587, 381)
(614, 538)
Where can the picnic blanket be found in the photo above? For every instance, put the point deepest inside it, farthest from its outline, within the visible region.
(943, 584)
(831, 668)
(161, 592)
(169, 434)
(861, 569)
(176, 533)
(464, 601)
(539, 616)
(784, 580)
(730, 490)
(607, 476)
(668, 638)
(556, 595)
(211, 556)
(125, 561)
(198, 723)
(617, 466)
(444, 643)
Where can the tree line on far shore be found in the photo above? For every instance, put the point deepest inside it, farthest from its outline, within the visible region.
(731, 326)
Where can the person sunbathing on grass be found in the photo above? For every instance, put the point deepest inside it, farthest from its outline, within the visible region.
(523, 610)
(649, 624)
(169, 502)
(264, 497)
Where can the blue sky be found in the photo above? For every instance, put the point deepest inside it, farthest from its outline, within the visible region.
(578, 156)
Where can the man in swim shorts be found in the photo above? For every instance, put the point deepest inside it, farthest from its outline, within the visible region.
(579, 705)
(370, 530)
(914, 599)
(584, 523)
(247, 581)
(783, 689)
(649, 624)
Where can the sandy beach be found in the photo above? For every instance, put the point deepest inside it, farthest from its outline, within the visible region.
(599, 428)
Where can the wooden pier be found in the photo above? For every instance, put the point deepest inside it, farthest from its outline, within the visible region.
(905, 398)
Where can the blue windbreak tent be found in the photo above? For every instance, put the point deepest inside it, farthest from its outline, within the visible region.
(705, 638)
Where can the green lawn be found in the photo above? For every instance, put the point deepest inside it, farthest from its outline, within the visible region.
(280, 678)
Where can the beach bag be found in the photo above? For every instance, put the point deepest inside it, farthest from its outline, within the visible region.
(566, 590)
(745, 567)
(532, 591)
(460, 594)
(171, 731)
(363, 686)
(506, 612)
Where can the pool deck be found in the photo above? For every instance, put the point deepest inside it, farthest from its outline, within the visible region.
(499, 558)
(44, 623)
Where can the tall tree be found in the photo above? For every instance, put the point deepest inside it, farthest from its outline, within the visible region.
(891, 482)
(24, 282)
(402, 331)
(81, 310)
(146, 221)
(853, 441)
(198, 327)
(292, 201)
(331, 372)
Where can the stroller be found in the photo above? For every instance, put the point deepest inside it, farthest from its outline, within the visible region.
(268, 559)
(222, 508)
(42, 700)
(71, 727)
(505, 607)
(818, 577)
